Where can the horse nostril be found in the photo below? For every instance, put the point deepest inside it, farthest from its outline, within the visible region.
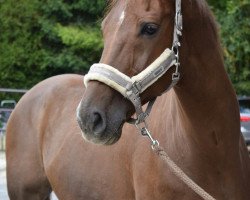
(98, 123)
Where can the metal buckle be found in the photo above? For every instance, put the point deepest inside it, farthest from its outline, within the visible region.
(136, 88)
(176, 76)
(175, 49)
(145, 132)
(178, 22)
(141, 118)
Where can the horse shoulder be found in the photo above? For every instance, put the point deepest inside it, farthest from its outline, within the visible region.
(30, 119)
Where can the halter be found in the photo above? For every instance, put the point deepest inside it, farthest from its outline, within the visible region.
(131, 88)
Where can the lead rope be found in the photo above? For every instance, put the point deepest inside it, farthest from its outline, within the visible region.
(181, 175)
(154, 143)
(172, 166)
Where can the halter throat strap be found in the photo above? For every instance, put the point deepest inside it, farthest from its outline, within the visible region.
(131, 88)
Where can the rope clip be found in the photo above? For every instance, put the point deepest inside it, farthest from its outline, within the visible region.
(143, 128)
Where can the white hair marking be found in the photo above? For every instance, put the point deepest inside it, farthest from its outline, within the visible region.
(122, 17)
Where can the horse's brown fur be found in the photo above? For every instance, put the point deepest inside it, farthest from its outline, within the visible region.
(197, 122)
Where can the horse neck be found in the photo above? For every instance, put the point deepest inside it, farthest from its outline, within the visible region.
(206, 100)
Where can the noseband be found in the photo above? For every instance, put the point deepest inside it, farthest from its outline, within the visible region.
(131, 88)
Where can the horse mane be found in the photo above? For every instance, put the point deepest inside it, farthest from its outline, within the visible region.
(205, 17)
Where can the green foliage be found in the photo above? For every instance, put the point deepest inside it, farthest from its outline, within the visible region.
(42, 38)
(217, 5)
(81, 41)
(17, 43)
(236, 40)
(234, 19)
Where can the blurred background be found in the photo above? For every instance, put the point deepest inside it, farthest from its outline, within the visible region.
(43, 38)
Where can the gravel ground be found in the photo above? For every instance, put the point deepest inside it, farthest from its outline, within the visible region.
(3, 186)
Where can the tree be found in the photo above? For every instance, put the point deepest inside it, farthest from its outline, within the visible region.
(234, 20)
(40, 39)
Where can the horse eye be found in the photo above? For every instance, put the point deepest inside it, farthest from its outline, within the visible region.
(149, 29)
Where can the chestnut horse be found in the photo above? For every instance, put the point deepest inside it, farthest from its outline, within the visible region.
(197, 122)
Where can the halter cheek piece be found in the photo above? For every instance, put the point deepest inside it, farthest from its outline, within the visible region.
(131, 88)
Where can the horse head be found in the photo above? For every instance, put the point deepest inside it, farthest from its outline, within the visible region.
(135, 34)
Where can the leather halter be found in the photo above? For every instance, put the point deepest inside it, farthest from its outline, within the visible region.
(131, 88)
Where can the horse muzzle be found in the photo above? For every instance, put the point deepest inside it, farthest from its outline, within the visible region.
(100, 120)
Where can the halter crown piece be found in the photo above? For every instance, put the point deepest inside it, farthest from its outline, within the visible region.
(131, 88)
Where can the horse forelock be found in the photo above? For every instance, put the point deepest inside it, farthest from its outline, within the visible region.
(201, 5)
(110, 5)
(198, 9)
